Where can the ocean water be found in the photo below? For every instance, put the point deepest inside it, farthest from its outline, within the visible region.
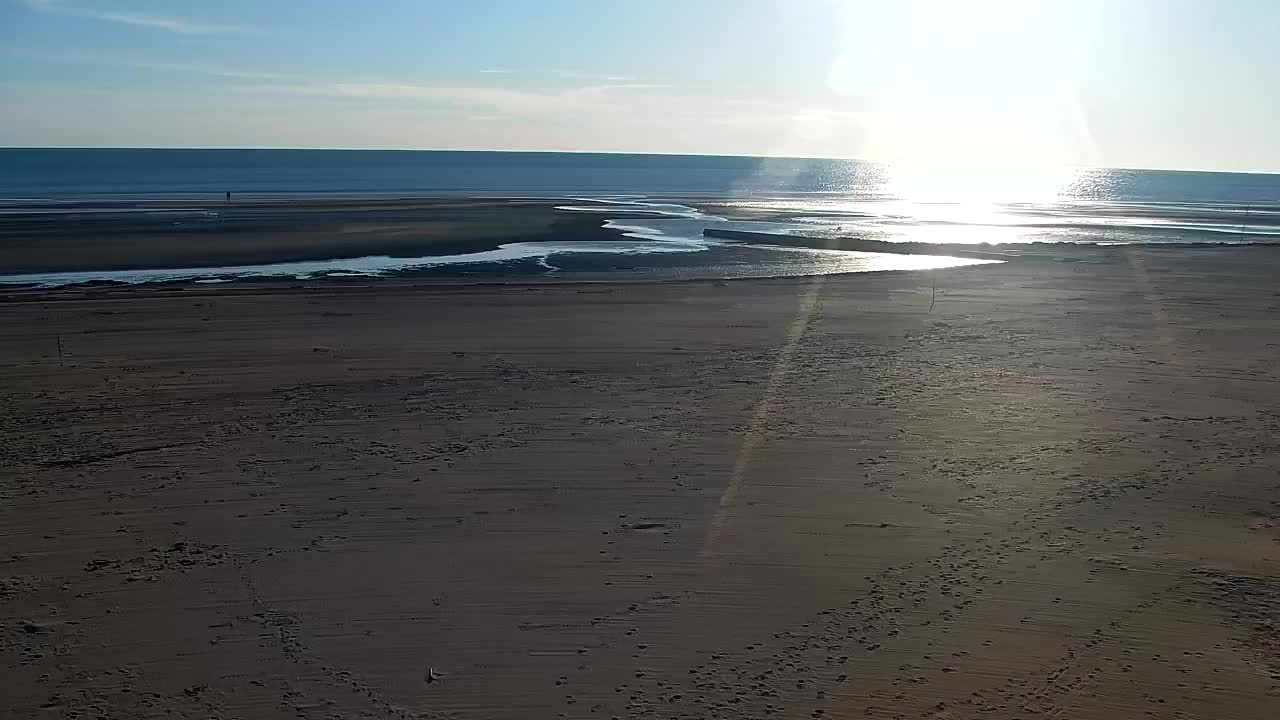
(942, 204)
(133, 173)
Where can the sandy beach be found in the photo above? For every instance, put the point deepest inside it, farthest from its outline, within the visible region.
(1045, 488)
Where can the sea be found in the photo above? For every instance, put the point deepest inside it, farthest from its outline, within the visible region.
(664, 199)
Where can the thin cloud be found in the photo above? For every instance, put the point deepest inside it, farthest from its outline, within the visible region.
(502, 100)
(495, 72)
(487, 100)
(184, 26)
(151, 64)
(495, 99)
(593, 77)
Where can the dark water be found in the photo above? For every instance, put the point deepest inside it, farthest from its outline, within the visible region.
(80, 173)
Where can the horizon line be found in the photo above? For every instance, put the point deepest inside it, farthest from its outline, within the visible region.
(261, 148)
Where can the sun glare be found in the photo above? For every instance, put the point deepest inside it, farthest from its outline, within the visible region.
(977, 185)
(991, 81)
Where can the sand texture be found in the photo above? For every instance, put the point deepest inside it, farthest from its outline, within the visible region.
(1055, 494)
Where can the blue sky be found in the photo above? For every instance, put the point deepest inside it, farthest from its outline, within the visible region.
(1137, 83)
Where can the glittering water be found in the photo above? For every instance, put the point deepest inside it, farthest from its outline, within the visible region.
(676, 196)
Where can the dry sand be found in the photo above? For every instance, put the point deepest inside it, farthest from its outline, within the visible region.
(1053, 495)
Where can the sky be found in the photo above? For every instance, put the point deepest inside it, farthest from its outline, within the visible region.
(1179, 84)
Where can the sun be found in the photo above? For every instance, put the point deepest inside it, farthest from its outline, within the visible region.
(984, 82)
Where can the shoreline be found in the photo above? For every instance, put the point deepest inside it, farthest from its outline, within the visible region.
(156, 236)
(256, 234)
(411, 282)
(481, 275)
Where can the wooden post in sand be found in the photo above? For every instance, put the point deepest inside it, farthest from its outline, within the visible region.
(61, 364)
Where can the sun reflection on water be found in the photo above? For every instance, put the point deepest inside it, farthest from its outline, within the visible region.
(815, 261)
(973, 185)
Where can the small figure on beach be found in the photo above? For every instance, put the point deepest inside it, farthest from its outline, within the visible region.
(228, 196)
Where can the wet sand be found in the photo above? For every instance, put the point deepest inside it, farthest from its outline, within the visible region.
(1052, 494)
(169, 234)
